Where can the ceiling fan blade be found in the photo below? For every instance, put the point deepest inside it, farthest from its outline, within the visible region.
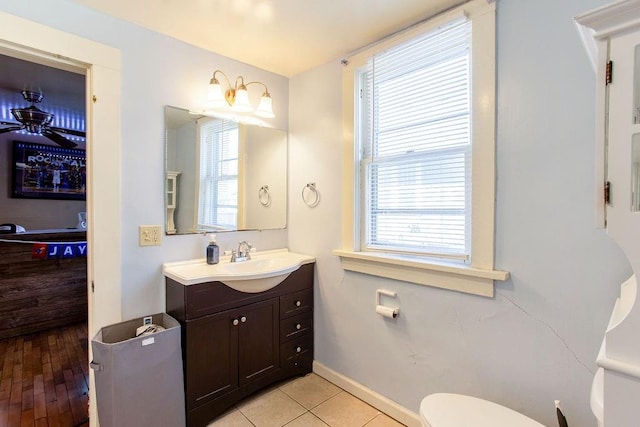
(10, 129)
(10, 123)
(58, 139)
(68, 131)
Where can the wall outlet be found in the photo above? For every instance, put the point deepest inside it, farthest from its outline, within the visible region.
(149, 235)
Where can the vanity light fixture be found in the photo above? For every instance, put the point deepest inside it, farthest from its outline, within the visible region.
(236, 97)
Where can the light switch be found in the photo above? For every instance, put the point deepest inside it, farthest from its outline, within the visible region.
(149, 235)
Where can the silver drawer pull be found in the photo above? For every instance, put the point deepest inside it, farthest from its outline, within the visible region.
(298, 349)
(235, 322)
(298, 326)
(298, 303)
(243, 319)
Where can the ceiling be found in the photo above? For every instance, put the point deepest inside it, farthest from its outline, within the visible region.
(63, 91)
(282, 36)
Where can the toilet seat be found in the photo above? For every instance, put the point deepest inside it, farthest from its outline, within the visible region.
(457, 410)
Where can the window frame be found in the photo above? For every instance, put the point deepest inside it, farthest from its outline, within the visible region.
(477, 276)
(213, 176)
(370, 158)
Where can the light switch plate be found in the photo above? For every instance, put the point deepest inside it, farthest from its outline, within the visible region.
(149, 235)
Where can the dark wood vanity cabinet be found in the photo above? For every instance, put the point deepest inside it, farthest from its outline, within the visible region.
(235, 343)
(230, 349)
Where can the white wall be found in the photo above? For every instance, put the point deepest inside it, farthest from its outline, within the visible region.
(264, 160)
(537, 340)
(156, 71)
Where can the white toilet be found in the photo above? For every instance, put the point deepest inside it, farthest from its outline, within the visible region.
(457, 410)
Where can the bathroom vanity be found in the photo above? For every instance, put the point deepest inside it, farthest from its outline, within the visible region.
(235, 343)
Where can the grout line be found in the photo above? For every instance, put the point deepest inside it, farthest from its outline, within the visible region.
(379, 402)
(315, 406)
(236, 408)
(309, 411)
(305, 413)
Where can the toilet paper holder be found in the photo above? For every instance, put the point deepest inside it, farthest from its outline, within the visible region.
(390, 312)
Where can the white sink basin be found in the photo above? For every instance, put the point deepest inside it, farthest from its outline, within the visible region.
(262, 272)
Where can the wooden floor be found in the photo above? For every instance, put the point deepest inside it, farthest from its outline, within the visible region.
(44, 379)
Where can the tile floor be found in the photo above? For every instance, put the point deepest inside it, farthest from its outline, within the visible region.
(309, 401)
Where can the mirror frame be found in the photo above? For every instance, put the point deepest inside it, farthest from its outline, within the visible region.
(267, 205)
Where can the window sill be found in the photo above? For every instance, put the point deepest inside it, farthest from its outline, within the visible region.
(444, 275)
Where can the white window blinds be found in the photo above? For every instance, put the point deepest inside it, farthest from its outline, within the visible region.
(218, 195)
(416, 145)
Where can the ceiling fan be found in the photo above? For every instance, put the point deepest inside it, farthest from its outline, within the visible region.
(36, 121)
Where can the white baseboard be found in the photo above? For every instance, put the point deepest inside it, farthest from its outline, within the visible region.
(378, 401)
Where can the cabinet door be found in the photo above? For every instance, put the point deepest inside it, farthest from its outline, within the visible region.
(211, 357)
(258, 340)
(623, 168)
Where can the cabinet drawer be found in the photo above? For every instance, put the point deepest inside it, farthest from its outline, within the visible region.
(296, 326)
(296, 303)
(297, 352)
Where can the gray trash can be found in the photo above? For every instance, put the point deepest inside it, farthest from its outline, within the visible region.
(139, 380)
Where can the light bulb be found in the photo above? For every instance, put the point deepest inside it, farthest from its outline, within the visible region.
(265, 108)
(241, 103)
(215, 98)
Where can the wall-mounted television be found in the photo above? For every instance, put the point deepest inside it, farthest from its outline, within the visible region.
(48, 172)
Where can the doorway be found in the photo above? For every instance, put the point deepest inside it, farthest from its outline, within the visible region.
(43, 313)
(32, 41)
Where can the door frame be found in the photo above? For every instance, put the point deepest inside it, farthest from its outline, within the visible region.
(101, 65)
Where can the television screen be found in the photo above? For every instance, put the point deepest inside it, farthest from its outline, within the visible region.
(48, 172)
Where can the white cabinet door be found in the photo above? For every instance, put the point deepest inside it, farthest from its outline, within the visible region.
(623, 163)
(621, 385)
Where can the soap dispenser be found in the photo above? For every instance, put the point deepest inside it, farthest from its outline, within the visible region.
(213, 250)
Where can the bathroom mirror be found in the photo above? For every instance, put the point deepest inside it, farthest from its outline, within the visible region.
(221, 175)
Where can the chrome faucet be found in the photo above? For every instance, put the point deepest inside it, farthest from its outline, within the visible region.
(243, 253)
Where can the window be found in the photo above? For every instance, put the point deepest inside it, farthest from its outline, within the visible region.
(415, 140)
(422, 109)
(218, 186)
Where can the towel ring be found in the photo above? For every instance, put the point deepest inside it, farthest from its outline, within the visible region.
(311, 202)
(263, 195)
